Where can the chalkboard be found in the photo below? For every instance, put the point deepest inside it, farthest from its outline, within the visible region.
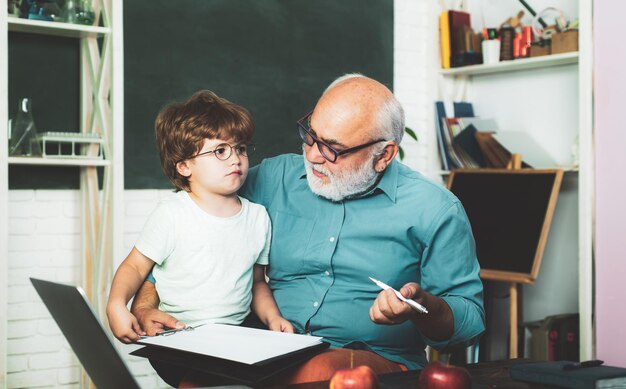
(510, 212)
(275, 57)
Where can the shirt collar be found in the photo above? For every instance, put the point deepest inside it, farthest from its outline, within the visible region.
(388, 184)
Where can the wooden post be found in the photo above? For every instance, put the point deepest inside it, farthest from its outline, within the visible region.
(514, 164)
(513, 340)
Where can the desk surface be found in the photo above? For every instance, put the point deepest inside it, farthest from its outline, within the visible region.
(492, 375)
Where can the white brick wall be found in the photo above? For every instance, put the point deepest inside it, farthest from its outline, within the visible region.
(44, 242)
(44, 239)
(415, 79)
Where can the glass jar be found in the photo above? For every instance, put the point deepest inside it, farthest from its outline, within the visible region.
(86, 15)
(70, 11)
(78, 12)
(23, 138)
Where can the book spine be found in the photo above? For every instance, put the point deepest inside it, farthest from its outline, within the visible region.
(444, 38)
(440, 113)
(450, 150)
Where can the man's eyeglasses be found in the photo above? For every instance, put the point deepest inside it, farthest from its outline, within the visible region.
(223, 151)
(327, 151)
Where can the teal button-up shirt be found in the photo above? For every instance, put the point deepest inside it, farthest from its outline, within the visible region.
(322, 253)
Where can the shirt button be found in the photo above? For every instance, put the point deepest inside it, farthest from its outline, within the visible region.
(327, 272)
(315, 304)
(332, 239)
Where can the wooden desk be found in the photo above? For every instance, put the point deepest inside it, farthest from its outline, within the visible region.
(485, 375)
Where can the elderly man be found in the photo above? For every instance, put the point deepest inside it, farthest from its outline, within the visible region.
(345, 211)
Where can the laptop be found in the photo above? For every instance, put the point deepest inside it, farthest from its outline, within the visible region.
(70, 309)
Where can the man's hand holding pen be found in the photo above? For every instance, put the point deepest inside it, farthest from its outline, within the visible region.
(389, 309)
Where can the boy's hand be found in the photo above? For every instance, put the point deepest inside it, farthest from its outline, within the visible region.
(154, 321)
(280, 324)
(123, 324)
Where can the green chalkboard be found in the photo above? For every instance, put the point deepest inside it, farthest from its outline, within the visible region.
(274, 57)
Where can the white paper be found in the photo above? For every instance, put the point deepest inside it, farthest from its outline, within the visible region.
(480, 124)
(524, 144)
(234, 343)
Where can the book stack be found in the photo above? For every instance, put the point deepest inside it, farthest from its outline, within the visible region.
(565, 374)
(460, 46)
(466, 141)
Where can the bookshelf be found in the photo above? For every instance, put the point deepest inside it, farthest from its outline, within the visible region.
(35, 161)
(101, 111)
(551, 98)
(566, 170)
(515, 65)
(57, 28)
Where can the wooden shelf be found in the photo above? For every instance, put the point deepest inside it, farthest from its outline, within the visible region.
(66, 30)
(566, 169)
(514, 65)
(58, 161)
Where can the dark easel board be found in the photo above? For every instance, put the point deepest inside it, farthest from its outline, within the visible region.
(510, 212)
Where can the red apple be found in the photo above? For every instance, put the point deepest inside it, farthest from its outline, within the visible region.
(360, 377)
(437, 375)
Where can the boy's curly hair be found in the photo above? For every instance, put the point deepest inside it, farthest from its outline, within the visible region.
(181, 129)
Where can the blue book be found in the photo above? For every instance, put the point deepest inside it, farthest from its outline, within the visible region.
(565, 374)
(463, 110)
(440, 114)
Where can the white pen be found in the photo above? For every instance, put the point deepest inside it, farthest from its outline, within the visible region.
(414, 304)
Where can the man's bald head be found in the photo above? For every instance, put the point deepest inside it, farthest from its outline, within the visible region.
(367, 101)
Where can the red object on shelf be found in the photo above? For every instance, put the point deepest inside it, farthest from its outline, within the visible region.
(517, 42)
(526, 41)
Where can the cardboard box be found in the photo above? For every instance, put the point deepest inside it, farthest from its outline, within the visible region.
(564, 42)
(539, 49)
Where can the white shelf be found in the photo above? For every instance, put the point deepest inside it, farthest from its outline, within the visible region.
(566, 169)
(58, 161)
(66, 30)
(514, 65)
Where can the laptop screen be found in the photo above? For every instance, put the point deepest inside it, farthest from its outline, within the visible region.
(70, 309)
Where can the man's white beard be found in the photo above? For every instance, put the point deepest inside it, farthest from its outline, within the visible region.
(341, 185)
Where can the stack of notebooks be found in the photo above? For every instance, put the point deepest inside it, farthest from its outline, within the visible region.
(564, 374)
(466, 141)
(460, 46)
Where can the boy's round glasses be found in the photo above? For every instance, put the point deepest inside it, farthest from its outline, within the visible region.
(327, 151)
(223, 151)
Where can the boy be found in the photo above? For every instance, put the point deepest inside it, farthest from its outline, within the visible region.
(208, 246)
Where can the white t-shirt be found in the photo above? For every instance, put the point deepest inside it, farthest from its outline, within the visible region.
(204, 263)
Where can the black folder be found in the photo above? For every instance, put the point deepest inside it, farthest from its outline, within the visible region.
(238, 372)
(572, 375)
